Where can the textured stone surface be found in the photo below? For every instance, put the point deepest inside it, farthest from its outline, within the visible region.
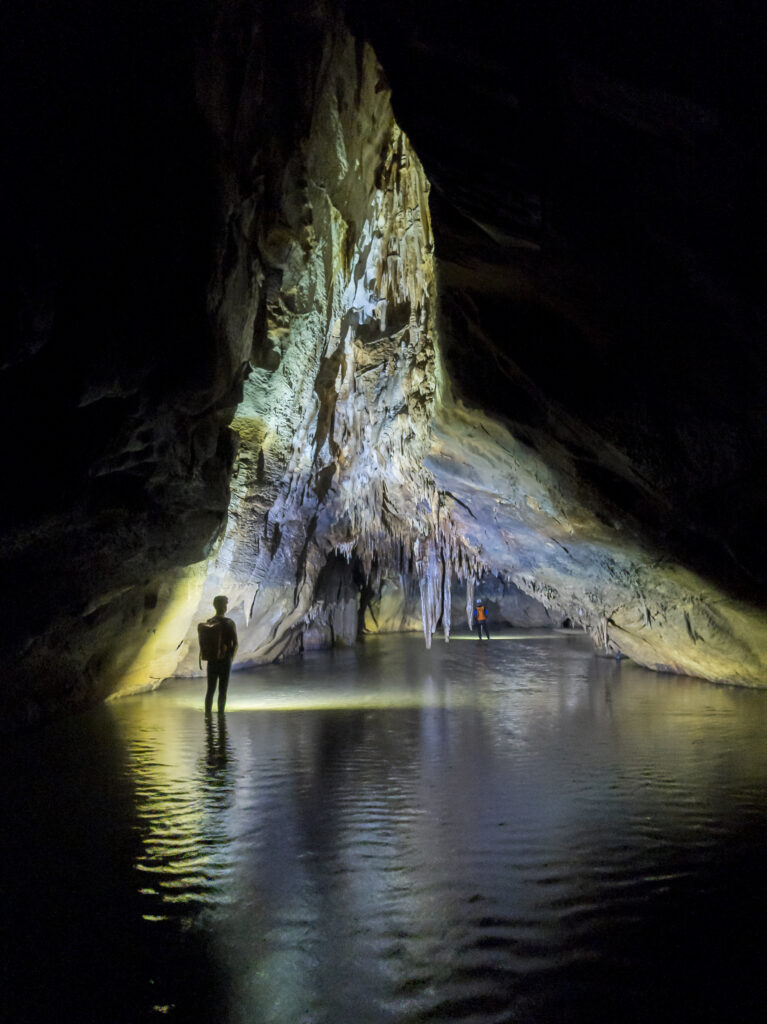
(402, 464)
(554, 370)
(597, 239)
(331, 488)
(115, 389)
(531, 519)
(397, 608)
(597, 264)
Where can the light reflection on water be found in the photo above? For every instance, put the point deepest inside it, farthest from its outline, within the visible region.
(468, 833)
(512, 831)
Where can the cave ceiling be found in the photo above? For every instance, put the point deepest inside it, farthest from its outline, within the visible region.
(328, 305)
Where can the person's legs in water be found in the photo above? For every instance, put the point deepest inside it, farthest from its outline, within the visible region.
(487, 632)
(212, 681)
(224, 667)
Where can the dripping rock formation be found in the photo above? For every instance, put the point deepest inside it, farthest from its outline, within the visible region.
(345, 310)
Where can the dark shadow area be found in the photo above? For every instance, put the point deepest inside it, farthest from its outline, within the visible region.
(599, 228)
(520, 831)
(80, 941)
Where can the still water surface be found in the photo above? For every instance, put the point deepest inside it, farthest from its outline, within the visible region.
(516, 831)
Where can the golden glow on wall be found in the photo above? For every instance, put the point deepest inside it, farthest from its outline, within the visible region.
(159, 654)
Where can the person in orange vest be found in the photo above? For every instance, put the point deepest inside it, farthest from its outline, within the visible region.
(480, 617)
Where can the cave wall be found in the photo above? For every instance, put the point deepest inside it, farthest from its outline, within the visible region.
(330, 488)
(396, 606)
(599, 220)
(595, 201)
(495, 466)
(557, 372)
(116, 386)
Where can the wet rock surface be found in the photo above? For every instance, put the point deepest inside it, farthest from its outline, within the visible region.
(596, 268)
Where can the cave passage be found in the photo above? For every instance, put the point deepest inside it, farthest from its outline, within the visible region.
(395, 442)
(512, 831)
(363, 344)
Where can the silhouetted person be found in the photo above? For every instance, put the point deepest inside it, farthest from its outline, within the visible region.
(480, 617)
(221, 644)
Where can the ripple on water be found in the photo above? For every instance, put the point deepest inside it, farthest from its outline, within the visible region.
(391, 835)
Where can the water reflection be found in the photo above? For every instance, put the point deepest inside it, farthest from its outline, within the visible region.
(390, 835)
(399, 835)
(217, 747)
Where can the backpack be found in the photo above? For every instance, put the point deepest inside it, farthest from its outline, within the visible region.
(211, 637)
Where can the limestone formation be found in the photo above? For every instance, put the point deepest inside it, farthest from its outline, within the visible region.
(366, 484)
(434, 300)
(331, 492)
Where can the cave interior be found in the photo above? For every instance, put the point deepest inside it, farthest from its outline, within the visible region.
(353, 313)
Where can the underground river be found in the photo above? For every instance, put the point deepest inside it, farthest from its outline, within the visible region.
(518, 831)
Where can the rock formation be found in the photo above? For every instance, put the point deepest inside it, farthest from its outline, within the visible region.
(331, 493)
(537, 354)
(115, 390)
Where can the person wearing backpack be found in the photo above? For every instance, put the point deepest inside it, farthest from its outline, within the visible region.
(218, 643)
(480, 617)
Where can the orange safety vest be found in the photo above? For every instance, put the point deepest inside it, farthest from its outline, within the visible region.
(480, 612)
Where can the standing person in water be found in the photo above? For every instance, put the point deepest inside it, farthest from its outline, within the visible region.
(218, 643)
(480, 617)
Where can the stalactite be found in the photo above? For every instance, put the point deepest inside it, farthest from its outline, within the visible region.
(447, 591)
(430, 581)
(470, 581)
(345, 549)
